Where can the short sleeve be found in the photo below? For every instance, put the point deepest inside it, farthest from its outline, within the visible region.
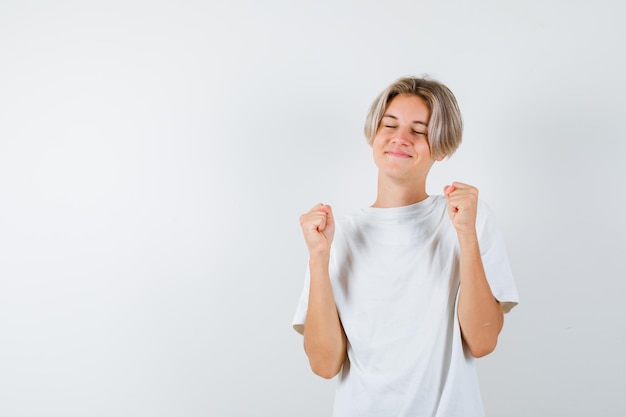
(495, 259)
(303, 305)
(299, 317)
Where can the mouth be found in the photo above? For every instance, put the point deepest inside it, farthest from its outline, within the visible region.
(398, 154)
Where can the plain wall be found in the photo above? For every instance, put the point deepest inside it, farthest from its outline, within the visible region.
(155, 157)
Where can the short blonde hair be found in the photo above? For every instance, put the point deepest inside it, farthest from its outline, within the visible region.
(445, 126)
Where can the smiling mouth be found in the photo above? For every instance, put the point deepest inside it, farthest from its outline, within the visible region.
(398, 154)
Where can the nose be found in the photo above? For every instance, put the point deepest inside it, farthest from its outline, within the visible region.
(402, 137)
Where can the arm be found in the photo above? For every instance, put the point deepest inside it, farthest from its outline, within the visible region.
(324, 338)
(480, 314)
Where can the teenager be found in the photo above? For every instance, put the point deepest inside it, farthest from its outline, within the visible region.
(400, 297)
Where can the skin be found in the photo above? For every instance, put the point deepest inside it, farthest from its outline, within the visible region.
(324, 338)
(402, 154)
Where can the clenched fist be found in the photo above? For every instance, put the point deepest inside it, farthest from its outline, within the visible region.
(462, 202)
(318, 227)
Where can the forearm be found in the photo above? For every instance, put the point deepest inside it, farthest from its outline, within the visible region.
(324, 338)
(480, 314)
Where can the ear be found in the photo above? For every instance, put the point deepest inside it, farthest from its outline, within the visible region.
(441, 158)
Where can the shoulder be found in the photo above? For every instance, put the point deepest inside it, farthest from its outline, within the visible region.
(438, 201)
(484, 212)
(486, 224)
(347, 223)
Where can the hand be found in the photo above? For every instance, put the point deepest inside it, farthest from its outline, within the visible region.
(462, 202)
(318, 227)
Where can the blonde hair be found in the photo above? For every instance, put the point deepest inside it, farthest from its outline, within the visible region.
(445, 126)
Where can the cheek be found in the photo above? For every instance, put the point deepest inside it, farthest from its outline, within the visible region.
(422, 147)
(376, 144)
(378, 149)
(380, 140)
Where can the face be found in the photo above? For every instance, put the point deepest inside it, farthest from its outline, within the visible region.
(400, 147)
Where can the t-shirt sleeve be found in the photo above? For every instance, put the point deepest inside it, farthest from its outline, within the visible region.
(303, 304)
(299, 317)
(495, 259)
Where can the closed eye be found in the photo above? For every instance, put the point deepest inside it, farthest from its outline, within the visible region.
(419, 133)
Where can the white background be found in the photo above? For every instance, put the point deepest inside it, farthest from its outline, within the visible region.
(155, 157)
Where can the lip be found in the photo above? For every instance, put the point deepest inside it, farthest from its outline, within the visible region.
(398, 154)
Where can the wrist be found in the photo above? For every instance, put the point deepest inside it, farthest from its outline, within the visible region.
(319, 258)
(467, 238)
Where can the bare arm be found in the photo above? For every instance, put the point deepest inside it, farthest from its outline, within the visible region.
(480, 314)
(324, 338)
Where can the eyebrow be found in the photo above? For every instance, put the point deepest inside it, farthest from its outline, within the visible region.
(395, 118)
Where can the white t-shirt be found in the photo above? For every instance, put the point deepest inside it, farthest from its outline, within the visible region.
(395, 279)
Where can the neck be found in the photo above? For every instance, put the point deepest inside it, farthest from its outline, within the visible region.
(399, 193)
